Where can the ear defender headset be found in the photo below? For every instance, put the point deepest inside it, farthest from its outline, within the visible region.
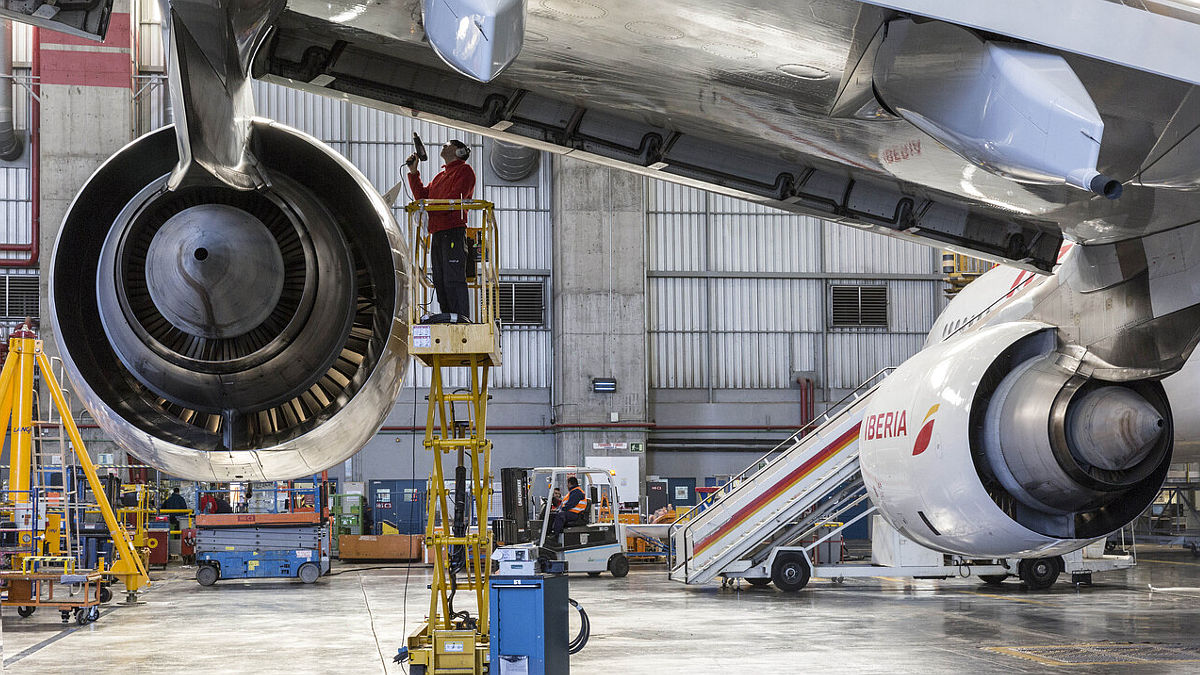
(461, 150)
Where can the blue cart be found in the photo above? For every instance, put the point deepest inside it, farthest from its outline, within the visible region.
(304, 564)
(261, 552)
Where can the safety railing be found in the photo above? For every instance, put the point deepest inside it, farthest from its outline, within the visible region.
(485, 284)
(742, 480)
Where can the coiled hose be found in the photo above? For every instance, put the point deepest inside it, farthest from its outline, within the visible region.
(585, 630)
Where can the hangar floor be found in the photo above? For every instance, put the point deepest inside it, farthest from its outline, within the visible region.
(353, 621)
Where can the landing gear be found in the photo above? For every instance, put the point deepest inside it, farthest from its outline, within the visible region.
(618, 565)
(993, 579)
(790, 572)
(308, 573)
(1040, 573)
(759, 582)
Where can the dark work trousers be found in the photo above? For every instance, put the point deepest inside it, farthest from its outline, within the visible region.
(448, 258)
(564, 519)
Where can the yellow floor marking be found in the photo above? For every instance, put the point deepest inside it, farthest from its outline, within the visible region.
(1022, 655)
(1006, 597)
(1015, 651)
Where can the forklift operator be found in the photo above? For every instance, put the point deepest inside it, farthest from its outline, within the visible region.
(572, 510)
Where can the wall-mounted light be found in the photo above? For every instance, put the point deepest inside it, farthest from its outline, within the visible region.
(604, 385)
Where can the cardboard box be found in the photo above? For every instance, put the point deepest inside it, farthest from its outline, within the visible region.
(401, 547)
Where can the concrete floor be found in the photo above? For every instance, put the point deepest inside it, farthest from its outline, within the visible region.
(354, 621)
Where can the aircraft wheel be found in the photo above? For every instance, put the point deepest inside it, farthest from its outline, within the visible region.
(618, 565)
(105, 594)
(26, 612)
(760, 582)
(309, 572)
(207, 575)
(993, 579)
(1040, 573)
(790, 572)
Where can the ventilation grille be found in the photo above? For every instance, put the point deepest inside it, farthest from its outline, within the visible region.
(854, 306)
(19, 296)
(523, 302)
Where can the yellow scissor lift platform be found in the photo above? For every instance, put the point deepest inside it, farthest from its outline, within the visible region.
(452, 641)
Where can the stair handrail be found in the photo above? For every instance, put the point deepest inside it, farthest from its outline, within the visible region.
(831, 414)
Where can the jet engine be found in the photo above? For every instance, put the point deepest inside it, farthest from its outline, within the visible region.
(998, 444)
(224, 334)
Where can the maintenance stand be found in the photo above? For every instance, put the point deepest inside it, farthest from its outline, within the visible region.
(453, 641)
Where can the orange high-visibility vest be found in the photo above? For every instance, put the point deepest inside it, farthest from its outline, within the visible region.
(583, 502)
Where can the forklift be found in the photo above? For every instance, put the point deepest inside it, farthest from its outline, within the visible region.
(593, 546)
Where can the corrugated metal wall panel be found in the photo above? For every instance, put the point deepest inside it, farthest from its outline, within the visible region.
(678, 360)
(526, 359)
(855, 251)
(16, 202)
(751, 360)
(853, 357)
(913, 305)
(764, 242)
(675, 305)
(22, 43)
(772, 305)
(805, 352)
(749, 330)
(150, 37)
(315, 115)
(671, 198)
(677, 242)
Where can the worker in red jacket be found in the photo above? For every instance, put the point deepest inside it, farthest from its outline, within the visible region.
(448, 248)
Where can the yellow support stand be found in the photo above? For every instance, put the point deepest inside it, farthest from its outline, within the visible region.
(453, 641)
(17, 391)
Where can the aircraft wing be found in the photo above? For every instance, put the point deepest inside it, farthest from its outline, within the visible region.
(774, 102)
(865, 113)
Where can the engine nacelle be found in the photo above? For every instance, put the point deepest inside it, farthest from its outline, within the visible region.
(992, 444)
(223, 334)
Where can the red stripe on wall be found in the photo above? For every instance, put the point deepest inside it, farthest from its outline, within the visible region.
(118, 35)
(93, 69)
(793, 477)
(86, 67)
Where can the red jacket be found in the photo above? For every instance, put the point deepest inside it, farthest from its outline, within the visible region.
(456, 181)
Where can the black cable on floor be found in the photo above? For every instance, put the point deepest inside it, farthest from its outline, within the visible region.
(585, 630)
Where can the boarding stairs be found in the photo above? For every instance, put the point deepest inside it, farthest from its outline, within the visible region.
(786, 495)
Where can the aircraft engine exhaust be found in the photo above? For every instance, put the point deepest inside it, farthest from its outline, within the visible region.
(232, 334)
(1032, 454)
(1113, 428)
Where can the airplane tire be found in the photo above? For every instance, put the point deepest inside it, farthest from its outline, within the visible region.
(790, 572)
(1040, 573)
(618, 565)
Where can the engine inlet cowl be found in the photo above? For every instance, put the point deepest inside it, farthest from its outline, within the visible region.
(224, 334)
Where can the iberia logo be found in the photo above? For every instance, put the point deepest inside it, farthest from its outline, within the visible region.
(926, 433)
